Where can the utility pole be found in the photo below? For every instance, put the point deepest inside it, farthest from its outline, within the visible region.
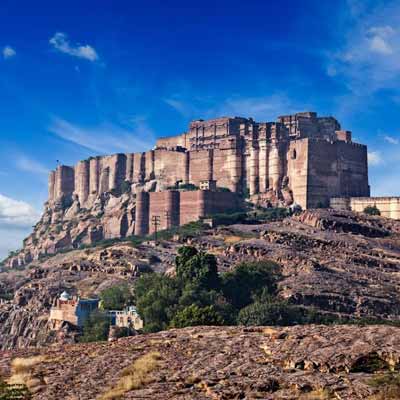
(155, 220)
(168, 219)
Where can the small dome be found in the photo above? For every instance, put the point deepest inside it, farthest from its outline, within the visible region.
(65, 296)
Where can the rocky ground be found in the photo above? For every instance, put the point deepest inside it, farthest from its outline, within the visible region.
(341, 263)
(300, 362)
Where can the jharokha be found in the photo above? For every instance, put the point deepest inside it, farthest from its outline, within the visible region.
(299, 159)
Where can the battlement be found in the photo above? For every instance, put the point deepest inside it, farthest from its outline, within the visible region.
(238, 153)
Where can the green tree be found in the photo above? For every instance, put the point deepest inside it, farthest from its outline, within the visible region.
(116, 297)
(194, 315)
(372, 210)
(157, 299)
(96, 327)
(198, 268)
(248, 280)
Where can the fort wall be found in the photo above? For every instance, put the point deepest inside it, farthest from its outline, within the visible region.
(389, 207)
(239, 154)
(175, 208)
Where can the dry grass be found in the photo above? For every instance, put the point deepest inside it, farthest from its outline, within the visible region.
(318, 394)
(388, 386)
(22, 372)
(232, 239)
(134, 377)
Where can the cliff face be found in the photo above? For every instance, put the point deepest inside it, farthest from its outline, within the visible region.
(65, 224)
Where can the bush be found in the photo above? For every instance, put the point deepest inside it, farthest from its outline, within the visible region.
(96, 327)
(125, 187)
(197, 268)
(270, 313)
(188, 187)
(248, 280)
(116, 297)
(157, 299)
(372, 210)
(195, 315)
(13, 392)
(229, 218)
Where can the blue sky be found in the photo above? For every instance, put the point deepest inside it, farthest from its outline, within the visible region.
(83, 78)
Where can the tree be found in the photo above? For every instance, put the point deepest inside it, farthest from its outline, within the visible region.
(372, 210)
(96, 327)
(195, 315)
(116, 297)
(157, 300)
(198, 268)
(248, 280)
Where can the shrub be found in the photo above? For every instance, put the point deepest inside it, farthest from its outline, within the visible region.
(197, 268)
(388, 385)
(270, 313)
(372, 210)
(188, 186)
(116, 297)
(125, 187)
(13, 392)
(22, 378)
(195, 315)
(96, 327)
(229, 218)
(248, 280)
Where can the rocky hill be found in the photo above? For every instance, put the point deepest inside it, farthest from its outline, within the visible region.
(312, 362)
(341, 264)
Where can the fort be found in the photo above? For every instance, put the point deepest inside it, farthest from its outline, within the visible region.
(299, 158)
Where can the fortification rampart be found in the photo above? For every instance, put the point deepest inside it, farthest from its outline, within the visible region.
(302, 158)
(389, 207)
(174, 208)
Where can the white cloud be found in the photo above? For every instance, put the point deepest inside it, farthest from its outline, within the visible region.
(16, 221)
(260, 108)
(374, 158)
(61, 43)
(264, 108)
(380, 45)
(16, 213)
(391, 139)
(106, 138)
(9, 52)
(370, 57)
(24, 163)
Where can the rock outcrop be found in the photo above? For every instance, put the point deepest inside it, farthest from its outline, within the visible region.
(325, 265)
(300, 362)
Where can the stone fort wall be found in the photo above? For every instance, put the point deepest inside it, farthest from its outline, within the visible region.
(175, 208)
(309, 156)
(388, 206)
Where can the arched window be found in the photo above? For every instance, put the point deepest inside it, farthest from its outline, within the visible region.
(294, 154)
